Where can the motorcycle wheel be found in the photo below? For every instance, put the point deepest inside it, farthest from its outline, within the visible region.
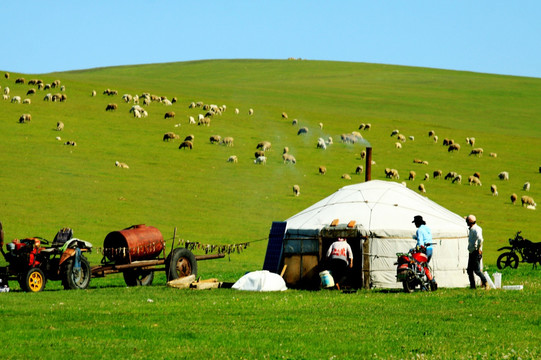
(408, 286)
(433, 285)
(138, 277)
(508, 259)
(74, 279)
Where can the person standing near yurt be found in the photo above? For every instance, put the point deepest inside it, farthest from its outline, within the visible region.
(475, 248)
(340, 257)
(423, 235)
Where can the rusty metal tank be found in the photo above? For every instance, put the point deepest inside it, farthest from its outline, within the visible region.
(138, 242)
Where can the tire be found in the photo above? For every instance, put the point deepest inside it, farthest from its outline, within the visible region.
(181, 262)
(433, 285)
(138, 277)
(33, 281)
(72, 278)
(507, 259)
(408, 286)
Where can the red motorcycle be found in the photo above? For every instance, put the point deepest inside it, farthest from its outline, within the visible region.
(412, 270)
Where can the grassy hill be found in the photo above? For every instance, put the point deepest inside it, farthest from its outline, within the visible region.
(47, 185)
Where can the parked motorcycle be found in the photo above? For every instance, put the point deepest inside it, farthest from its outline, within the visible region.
(412, 270)
(529, 252)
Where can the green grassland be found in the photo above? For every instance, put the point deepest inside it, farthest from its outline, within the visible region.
(46, 185)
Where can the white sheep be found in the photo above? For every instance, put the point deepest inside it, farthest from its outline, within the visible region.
(6, 90)
(528, 201)
(250, 111)
(59, 126)
(296, 190)
(288, 158)
(237, 111)
(422, 188)
(494, 190)
(191, 120)
(321, 144)
(504, 175)
(398, 145)
(526, 186)
(16, 99)
(394, 132)
(261, 160)
(233, 159)
(121, 165)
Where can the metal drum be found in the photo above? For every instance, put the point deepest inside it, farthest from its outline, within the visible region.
(138, 242)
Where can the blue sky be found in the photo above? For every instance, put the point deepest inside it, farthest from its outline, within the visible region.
(497, 36)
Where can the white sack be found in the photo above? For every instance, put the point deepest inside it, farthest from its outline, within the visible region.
(261, 280)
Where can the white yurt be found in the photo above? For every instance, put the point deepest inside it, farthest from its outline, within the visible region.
(376, 218)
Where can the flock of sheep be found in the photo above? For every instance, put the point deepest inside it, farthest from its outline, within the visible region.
(208, 112)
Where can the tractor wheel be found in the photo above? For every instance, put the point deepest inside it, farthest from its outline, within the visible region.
(408, 286)
(138, 277)
(507, 259)
(180, 263)
(33, 281)
(73, 278)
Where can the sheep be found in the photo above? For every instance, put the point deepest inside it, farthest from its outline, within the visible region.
(526, 186)
(5, 97)
(427, 177)
(472, 180)
(168, 136)
(321, 126)
(136, 99)
(295, 122)
(190, 137)
(111, 107)
(93, 93)
(204, 121)
(70, 142)
(321, 144)
(228, 141)
(494, 155)
(59, 126)
(359, 169)
(237, 111)
(435, 139)
(167, 102)
(418, 161)
(394, 132)
(303, 130)
(392, 173)
(477, 151)
(233, 159)
(453, 147)
(264, 145)
(25, 118)
(450, 175)
(215, 139)
(16, 99)
(477, 174)
(431, 133)
(56, 83)
(137, 114)
(63, 97)
(494, 190)
(121, 165)
(48, 97)
(437, 174)
(401, 138)
(504, 175)
(288, 158)
(513, 198)
(422, 188)
(412, 175)
(27, 101)
(367, 127)
(361, 127)
(346, 177)
(31, 92)
(470, 141)
(528, 201)
(6, 90)
(259, 153)
(411, 137)
(457, 179)
(284, 115)
(170, 114)
(286, 150)
(348, 138)
(175, 99)
(398, 145)
(186, 144)
(262, 160)
(20, 81)
(322, 170)
(330, 141)
(296, 190)
(6, 75)
(191, 120)
(250, 111)
(363, 154)
(127, 98)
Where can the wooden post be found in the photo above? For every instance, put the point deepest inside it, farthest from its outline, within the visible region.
(368, 173)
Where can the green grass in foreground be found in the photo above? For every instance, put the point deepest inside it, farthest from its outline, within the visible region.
(113, 322)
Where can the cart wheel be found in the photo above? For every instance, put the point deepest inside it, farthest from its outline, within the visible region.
(33, 281)
(181, 263)
(138, 277)
(507, 259)
(73, 278)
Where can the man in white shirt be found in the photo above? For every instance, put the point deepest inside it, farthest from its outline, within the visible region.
(340, 258)
(475, 248)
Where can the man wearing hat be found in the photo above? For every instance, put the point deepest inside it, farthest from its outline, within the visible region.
(475, 248)
(423, 235)
(340, 258)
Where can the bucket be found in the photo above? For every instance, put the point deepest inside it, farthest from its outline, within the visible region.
(498, 280)
(327, 280)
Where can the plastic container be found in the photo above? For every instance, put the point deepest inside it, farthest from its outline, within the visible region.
(497, 280)
(138, 242)
(513, 287)
(489, 280)
(327, 280)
